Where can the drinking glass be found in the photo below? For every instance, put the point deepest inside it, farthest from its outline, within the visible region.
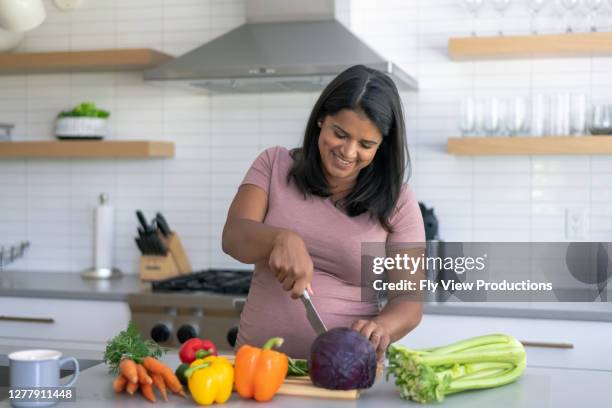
(516, 121)
(501, 6)
(559, 114)
(570, 7)
(578, 114)
(600, 120)
(593, 6)
(492, 123)
(540, 115)
(535, 7)
(467, 117)
(479, 112)
(473, 6)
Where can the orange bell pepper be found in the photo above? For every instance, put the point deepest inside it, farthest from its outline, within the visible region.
(259, 373)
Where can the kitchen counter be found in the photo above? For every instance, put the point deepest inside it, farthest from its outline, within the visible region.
(539, 387)
(56, 285)
(592, 311)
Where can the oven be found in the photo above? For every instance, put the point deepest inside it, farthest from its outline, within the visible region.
(204, 304)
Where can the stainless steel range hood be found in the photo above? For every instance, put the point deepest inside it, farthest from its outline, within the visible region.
(284, 46)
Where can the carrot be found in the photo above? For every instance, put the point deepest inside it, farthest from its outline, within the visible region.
(143, 376)
(157, 367)
(147, 392)
(158, 380)
(127, 367)
(131, 387)
(154, 366)
(119, 383)
(173, 383)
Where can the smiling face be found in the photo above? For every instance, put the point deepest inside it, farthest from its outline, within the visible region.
(347, 143)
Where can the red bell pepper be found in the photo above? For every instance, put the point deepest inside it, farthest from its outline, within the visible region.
(196, 348)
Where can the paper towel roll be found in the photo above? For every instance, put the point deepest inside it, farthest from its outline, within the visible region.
(104, 232)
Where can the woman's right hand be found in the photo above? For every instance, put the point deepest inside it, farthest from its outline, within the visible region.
(290, 262)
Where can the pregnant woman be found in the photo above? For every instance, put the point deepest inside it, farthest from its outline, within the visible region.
(300, 216)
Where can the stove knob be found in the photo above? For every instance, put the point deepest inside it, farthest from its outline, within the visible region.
(232, 335)
(160, 333)
(186, 332)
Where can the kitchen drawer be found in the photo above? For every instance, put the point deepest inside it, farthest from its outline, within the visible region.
(75, 320)
(591, 340)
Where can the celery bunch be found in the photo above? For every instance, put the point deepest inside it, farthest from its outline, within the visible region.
(481, 362)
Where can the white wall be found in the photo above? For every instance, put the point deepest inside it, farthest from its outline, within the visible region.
(49, 202)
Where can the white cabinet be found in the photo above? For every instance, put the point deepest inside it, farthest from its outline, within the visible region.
(58, 319)
(591, 340)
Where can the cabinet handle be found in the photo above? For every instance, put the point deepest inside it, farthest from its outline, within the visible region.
(45, 320)
(546, 344)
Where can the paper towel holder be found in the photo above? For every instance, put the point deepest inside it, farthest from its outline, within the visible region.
(102, 273)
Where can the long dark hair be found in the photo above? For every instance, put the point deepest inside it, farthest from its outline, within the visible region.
(363, 90)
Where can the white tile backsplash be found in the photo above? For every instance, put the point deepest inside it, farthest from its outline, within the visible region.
(50, 202)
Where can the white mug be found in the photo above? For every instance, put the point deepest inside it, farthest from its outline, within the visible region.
(21, 15)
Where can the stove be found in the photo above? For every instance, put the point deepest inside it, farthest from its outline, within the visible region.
(204, 304)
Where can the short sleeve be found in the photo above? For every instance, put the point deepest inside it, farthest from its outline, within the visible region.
(406, 220)
(260, 172)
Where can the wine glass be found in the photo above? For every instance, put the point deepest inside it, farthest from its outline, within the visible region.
(578, 114)
(600, 121)
(593, 6)
(540, 115)
(560, 114)
(473, 6)
(467, 117)
(535, 7)
(501, 6)
(570, 6)
(516, 120)
(492, 123)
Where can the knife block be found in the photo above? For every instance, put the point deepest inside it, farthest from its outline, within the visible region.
(176, 249)
(157, 267)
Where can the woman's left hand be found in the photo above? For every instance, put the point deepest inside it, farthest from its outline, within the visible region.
(376, 333)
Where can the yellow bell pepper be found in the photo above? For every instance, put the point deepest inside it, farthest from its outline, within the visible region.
(210, 380)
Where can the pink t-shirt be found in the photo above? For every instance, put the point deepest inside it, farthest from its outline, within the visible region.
(334, 242)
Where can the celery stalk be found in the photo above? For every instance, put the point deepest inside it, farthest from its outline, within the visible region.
(473, 342)
(481, 362)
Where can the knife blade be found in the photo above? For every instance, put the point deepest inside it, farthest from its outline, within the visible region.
(312, 315)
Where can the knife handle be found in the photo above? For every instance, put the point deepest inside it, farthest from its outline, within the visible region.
(142, 220)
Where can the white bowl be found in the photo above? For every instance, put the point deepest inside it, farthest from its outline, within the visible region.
(81, 127)
(21, 15)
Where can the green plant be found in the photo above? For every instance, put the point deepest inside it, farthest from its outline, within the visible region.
(129, 344)
(85, 109)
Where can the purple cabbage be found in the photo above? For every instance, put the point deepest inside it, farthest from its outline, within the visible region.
(342, 359)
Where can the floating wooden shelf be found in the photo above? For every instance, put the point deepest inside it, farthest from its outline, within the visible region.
(558, 45)
(89, 148)
(547, 145)
(66, 61)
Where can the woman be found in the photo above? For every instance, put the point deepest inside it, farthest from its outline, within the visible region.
(300, 216)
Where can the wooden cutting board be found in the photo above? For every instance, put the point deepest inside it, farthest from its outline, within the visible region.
(303, 387)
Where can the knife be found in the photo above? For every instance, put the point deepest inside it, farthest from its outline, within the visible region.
(162, 224)
(312, 315)
(143, 221)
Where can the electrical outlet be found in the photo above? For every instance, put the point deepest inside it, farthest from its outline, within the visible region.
(67, 5)
(575, 223)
